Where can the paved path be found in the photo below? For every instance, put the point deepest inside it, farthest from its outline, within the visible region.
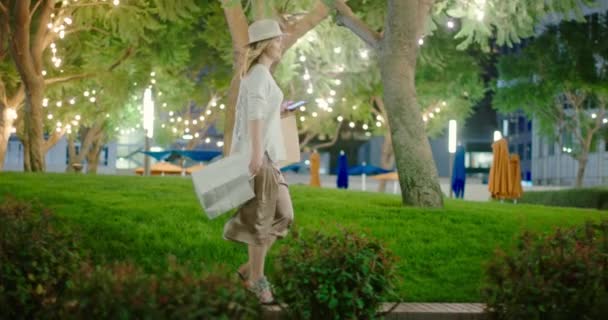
(417, 311)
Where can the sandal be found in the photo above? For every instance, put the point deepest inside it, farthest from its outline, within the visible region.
(262, 291)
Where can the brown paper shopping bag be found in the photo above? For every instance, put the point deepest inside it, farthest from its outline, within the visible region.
(291, 140)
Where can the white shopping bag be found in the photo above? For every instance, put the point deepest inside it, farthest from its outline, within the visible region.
(223, 185)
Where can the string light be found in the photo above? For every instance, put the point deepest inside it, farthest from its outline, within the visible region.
(364, 54)
(450, 24)
(421, 41)
(340, 118)
(351, 124)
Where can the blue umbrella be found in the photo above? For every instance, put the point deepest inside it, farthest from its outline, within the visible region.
(158, 155)
(459, 176)
(296, 167)
(196, 155)
(367, 169)
(342, 180)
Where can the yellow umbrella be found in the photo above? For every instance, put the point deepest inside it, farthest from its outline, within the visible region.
(500, 184)
(515, 170)
(315, 163)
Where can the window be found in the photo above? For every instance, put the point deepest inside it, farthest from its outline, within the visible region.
(520, 150)
(529, 151)
(529, 125)
(521, 125)
(551, 148)
(540, 147)
(105, 155)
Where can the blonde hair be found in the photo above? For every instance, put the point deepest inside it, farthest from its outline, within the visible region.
(253, 53)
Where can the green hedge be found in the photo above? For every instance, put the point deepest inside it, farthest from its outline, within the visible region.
(594, 198)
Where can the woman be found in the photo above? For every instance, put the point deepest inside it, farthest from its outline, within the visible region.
(257, 133)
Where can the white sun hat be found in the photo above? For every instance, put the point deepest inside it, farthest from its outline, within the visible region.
(264, 29)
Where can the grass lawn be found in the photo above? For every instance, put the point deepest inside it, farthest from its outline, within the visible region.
(442, 252)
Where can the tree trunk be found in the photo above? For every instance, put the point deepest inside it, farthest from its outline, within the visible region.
(89, 138)
(71, 153)
(387, 160)
(26, 155)
(417, 171)
(93, 156)
(580, 172)
(27, 55)
(237, 23)
(6, 123)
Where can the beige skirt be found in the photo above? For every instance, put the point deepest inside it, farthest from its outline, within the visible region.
(268, 215)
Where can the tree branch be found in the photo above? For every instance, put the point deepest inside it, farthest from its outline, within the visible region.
(424, 8)
(35, 8)
(237, 25)
(347, 18)
(53, 139)
(129, 52)
(333, 140)
(305, 24)
(41, 34)
(309, 136)
(3, 9)
(67, 78)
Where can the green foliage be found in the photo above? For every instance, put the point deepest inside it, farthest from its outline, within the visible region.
(338, 276)
(123, 290)
(448, 79)
(505, 21)
(36, 261)
(559, 79)
(594, 198)
(560, 276)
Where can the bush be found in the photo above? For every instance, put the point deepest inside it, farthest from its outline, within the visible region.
(594, 198)
(122, 291)
(35, 261)
(343, 276)
(560, 276)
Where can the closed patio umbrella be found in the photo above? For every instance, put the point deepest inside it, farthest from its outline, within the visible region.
(459, 174)
(500, 184)
(515, 168)
(315, 164)
(342, 178)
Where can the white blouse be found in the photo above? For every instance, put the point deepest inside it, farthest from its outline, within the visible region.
(259, 98)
